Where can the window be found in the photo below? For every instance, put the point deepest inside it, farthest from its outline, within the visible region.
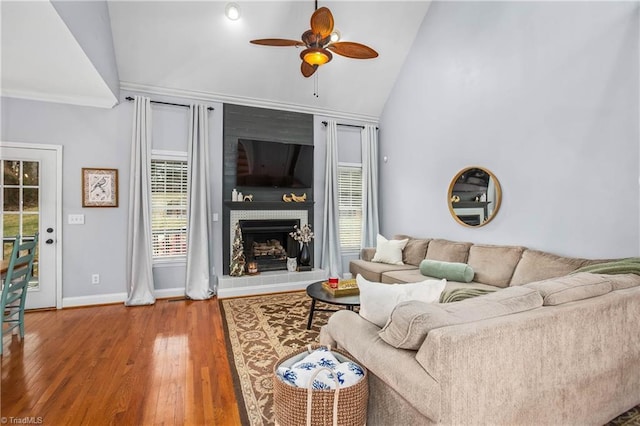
(169, 205)
(350, 205)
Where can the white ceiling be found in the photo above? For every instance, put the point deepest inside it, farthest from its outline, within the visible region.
(41, 59)
(190, 49)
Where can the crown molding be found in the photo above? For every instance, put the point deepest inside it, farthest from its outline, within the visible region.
(239, 100)
(90, 101)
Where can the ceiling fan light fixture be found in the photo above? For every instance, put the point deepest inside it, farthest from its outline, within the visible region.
(232, 11)
(321, 42)
(316, 56)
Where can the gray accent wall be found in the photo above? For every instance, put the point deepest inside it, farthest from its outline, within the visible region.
(545, 95)
(244, 122)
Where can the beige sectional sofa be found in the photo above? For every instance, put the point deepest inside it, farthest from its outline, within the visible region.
(548, 347)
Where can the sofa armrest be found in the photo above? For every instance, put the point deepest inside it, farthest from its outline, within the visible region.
(367, 253)
(397, 368)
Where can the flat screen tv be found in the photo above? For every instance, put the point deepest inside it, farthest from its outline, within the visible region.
(274, 164)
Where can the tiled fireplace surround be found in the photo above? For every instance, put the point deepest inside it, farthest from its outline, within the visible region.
(269, 281)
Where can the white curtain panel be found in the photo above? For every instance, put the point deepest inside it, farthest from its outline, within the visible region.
(139, 254)
(331, 258)
(199, 230)
(370, 222)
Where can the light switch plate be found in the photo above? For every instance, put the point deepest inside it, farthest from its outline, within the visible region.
(76, 219)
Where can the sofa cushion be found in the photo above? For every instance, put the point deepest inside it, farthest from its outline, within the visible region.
(448, 251)
(412, 275)
(449, 270)
(622, 281)
(410, 322)
(373, 271)
(583, 285)
(389, 251)
(415, 250)
(377, 300)
(537, 265)
(494, 264)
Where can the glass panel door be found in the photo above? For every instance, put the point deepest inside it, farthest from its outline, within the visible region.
(29, 203)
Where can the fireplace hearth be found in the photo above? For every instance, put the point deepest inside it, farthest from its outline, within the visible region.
(267, 242)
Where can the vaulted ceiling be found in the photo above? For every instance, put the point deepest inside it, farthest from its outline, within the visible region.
(191, 49)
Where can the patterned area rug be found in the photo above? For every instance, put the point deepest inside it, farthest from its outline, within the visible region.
(630, 418)
(262, 329)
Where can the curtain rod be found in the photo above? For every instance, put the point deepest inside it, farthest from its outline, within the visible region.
(129, 98)
(346, 125)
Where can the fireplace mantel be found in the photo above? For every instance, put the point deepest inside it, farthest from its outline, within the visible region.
(267, 205)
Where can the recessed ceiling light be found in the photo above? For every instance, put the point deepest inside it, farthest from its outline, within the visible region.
(232, 11)
(335, 36)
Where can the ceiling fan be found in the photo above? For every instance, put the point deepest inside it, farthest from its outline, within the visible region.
(318, 44)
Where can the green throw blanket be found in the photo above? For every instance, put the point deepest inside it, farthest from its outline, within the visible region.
(629, 265)
(458, 294)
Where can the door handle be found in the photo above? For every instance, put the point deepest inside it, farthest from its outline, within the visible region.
(49, 241)
(49, 230)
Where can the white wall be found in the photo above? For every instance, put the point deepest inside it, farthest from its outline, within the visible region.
(90, 24)
(545, 95)
(95, 137)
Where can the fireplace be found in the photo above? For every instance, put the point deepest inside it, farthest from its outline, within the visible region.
(271, 213)
(267, 242)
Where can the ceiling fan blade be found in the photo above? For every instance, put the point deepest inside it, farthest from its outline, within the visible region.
(353, 50)
(322, 22)
(307, 69)
(277, 42)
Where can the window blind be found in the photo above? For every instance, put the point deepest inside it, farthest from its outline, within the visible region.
(169, 208)
(350, 206)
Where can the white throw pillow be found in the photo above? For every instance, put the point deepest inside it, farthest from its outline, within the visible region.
(389, 251)
(377, 300)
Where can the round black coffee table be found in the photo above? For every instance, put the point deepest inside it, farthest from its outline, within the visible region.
(316, 292)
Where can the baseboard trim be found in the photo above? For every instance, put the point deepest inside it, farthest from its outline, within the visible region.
(97, 299)
(165, 293)
(105, 299)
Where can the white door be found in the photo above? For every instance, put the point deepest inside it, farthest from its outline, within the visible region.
(30, 203)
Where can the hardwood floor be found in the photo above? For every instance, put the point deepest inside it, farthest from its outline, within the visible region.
(159, 364)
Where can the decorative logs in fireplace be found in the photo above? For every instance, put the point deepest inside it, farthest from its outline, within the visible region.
(268, 248)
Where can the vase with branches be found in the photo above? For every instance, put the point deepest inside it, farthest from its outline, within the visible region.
(303, 235)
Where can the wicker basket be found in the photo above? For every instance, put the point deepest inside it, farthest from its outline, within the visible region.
(294, 406)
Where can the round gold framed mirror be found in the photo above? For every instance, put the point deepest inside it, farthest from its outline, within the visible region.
(474, 196)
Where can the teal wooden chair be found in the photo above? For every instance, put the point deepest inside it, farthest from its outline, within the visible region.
(16, 283)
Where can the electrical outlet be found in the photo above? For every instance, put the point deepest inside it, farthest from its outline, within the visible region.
(95, 279)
